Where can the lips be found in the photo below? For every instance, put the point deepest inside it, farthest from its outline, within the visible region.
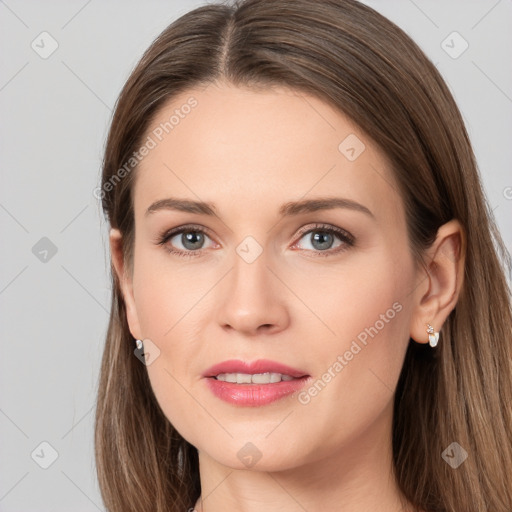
(259, 366)
(254, 394)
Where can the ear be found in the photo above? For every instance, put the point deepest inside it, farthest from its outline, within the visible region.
(437, 289)
(125, 282)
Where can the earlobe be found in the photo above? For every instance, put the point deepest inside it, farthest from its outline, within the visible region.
(125, 282)
(440, 283)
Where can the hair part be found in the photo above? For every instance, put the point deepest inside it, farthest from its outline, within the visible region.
(366, 67)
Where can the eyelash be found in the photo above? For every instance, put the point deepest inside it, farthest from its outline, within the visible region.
(343, 235)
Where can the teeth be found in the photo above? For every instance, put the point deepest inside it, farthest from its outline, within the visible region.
(257, 378)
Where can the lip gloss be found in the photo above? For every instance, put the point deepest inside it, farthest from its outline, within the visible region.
(254, 395)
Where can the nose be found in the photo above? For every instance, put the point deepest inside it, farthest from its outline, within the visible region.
(252, 298)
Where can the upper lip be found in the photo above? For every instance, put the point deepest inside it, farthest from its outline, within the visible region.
(259, 366)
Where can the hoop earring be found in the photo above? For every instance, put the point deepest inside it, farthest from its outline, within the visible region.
(433, 336)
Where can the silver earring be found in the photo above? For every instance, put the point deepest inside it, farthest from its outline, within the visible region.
(139, 343)
(433, 336)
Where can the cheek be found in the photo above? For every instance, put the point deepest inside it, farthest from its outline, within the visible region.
(162, 306)
(359, 356)
(165, 292)
(362, 297)
(169, 299)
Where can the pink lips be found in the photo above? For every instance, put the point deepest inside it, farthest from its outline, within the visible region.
(253, 395)
(259, 366)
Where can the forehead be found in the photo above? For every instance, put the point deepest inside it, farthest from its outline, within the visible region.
(238, 147)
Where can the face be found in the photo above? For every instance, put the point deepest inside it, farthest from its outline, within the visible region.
(271, 273)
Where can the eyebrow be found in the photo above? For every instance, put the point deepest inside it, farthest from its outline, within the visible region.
(286, 210)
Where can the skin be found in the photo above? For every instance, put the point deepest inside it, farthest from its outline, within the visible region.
(249, 152)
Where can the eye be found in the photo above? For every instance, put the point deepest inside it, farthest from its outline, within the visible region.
(322, 237)
(187, 241)
(184, 241)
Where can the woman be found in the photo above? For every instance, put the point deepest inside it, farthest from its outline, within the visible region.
(309, 310)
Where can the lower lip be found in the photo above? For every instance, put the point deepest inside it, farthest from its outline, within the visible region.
(254, 395)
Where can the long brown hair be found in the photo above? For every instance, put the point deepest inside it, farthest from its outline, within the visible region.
(359, 62)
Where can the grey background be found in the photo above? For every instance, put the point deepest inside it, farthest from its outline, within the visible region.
(54, 119)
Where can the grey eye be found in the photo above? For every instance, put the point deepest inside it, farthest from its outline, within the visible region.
(320, 239)
(189, 240)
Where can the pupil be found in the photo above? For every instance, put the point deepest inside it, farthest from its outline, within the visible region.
(320, 237)
(192, 240)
